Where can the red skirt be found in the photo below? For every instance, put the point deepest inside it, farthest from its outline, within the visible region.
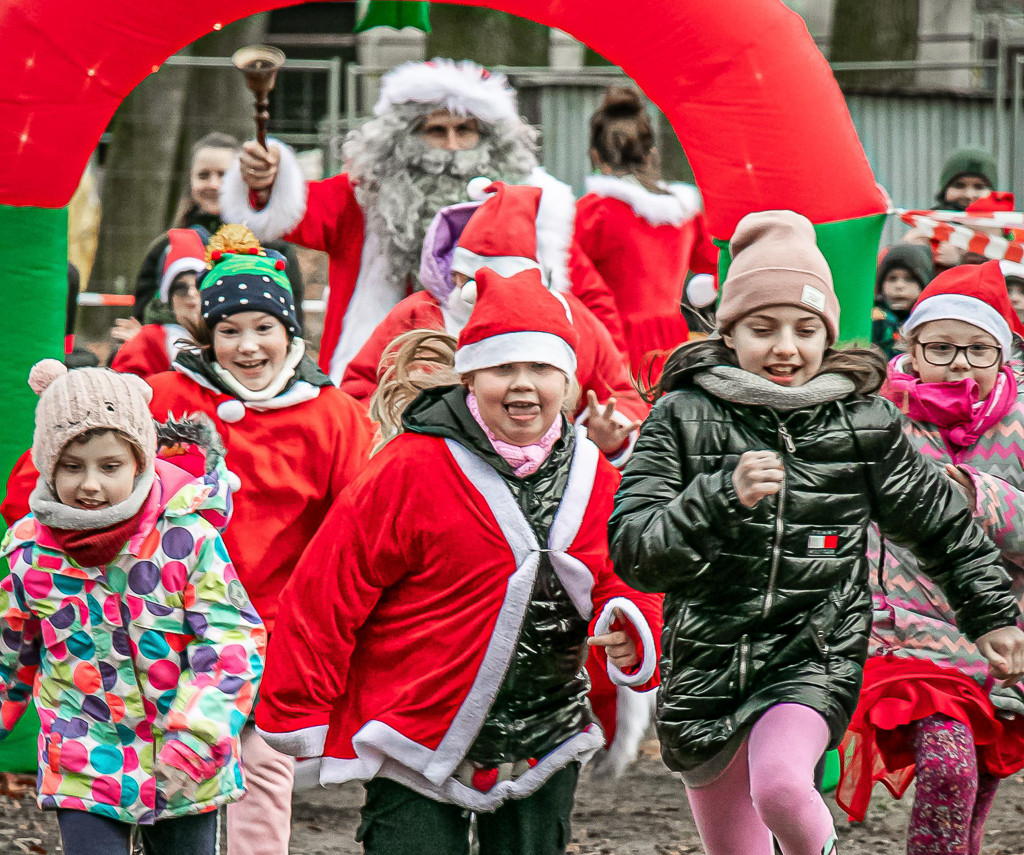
(898, 692)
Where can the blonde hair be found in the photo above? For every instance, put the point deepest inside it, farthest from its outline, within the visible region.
(414, 361)
(425, 359)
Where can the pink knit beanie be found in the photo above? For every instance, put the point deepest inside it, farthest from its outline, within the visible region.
(776, 262)
(73, 402)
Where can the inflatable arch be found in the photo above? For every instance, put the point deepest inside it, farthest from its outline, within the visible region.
(752, 100)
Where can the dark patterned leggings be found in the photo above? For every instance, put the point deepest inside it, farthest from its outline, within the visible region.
(953, 797)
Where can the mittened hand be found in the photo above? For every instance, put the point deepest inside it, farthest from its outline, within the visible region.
(758, 474)
(619, 646)
(1004, 650)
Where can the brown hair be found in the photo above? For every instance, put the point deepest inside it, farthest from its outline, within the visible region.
(414, 361)
(620, 130)
(186, 205)
(864, 366)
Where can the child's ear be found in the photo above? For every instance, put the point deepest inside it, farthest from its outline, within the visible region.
(727, 338)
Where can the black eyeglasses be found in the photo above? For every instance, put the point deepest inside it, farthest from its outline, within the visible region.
(943, 353)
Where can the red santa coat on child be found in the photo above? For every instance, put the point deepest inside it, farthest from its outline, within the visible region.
(391, 646)
(150, 351)
(293, 455)
(643, 244)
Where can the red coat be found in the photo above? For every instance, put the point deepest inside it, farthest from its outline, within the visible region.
(643, 244)
(334, 223)
(398, 626)
(600, 366)
(292, 461)
(149, 352)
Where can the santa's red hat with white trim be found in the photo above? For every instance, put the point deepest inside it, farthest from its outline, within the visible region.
(975, 293)
(185, 253)
(516, 319)
(502, 233)
(463, 88)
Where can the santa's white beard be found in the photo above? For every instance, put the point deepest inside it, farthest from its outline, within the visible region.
(401, 182)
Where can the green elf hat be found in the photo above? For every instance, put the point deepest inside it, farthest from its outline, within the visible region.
(242, 276)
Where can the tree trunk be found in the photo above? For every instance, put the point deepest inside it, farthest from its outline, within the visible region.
(872, 30)
(486, 36)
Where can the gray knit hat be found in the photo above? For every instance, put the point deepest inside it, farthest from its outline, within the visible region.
(73, 402)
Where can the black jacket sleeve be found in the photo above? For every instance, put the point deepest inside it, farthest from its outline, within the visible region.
(921, 508)
(666, 529)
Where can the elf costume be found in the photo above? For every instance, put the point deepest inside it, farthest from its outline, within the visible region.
(429, 639)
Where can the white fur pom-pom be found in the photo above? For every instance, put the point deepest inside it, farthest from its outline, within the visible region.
(701, 290)
(231, 411)
(44, 372)
(468, 292)
(477, 188)
(234, 482)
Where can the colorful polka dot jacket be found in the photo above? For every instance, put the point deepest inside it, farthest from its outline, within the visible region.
(154, 657)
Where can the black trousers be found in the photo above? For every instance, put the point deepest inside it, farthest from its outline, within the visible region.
(85, 833)
(399, 821)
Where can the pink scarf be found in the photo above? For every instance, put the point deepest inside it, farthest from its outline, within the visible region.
(524, 459)
(953, 407)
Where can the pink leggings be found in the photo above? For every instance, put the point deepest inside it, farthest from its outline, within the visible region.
(768, 789)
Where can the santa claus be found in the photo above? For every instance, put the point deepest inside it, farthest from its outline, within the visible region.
(437, 125)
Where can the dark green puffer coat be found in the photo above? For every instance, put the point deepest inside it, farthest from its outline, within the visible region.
(771, 605)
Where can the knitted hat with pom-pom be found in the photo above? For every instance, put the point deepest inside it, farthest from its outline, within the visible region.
(73, 402)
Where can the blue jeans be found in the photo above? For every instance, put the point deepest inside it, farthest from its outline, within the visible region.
(84, 833)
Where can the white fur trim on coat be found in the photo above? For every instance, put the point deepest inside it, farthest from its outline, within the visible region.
(556, 217)
(464, 88)
(679, 204)
(284, 209)
(306, 742)
(636, 617)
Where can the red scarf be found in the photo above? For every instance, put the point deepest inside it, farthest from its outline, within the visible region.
(96, 547)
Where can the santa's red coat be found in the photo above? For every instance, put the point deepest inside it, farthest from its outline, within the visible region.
(334, 223)
(292, 462)
(397, 627)
(643, 244)
(600, 366)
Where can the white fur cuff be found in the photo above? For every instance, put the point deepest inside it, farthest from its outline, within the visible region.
(283, 211)
(307, 742)
(649, 660)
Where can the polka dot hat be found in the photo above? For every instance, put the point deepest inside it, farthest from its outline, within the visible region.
(246, 279)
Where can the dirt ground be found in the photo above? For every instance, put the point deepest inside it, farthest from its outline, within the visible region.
(644, 813)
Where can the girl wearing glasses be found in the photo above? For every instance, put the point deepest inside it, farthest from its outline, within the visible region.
(929, 708)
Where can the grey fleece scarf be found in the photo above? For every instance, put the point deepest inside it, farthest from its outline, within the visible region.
(743, 387)
(52, 512)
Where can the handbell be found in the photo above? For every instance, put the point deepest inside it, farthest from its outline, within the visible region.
(259, 64)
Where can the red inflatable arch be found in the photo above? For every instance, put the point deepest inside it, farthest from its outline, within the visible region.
(752, 100)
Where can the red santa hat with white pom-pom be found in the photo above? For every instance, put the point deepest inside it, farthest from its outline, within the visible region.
(185, 253)
(515, 319)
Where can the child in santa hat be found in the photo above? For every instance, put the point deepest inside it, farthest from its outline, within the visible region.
(124, 620)
(510, 228)
(748, 501)
(294, 440)
(152, 348)
(432, 641)
(929, 708)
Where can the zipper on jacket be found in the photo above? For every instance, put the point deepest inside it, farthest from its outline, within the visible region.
(744, 652)
(789, 446)
(819, 635)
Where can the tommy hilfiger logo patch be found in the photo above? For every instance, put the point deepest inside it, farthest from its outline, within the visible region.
(823, 542)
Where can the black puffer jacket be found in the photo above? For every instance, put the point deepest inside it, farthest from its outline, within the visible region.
(770, 605)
